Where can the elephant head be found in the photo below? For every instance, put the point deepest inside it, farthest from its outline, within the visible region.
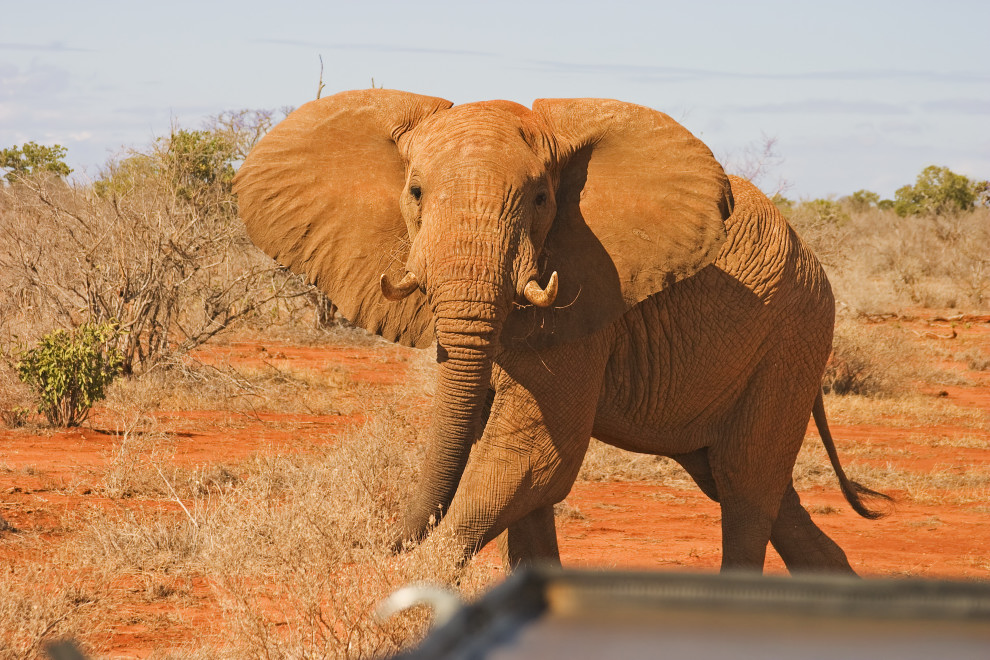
(481, 226)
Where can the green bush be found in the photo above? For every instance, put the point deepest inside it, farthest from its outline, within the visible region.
(938, 191)
(825, 211)
(32, 158)
(70, 371)
(861, 200)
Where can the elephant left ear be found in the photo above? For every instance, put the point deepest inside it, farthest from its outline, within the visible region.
(641, 204)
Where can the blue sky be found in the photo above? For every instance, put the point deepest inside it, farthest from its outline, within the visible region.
(856, 94)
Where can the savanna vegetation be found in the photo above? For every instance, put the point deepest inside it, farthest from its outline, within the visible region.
(283, 552)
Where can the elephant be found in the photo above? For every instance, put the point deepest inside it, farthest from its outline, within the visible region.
(585, 268)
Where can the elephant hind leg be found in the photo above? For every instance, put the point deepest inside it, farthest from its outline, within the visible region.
(696, 464)
(745, 535)
(754, 450)
(797, 539)
(801, 543)
(746, 525)
(747, 518)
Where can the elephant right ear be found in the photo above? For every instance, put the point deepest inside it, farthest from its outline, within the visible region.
(320, 194)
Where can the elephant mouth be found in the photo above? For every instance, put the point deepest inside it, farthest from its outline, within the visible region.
(533, 293)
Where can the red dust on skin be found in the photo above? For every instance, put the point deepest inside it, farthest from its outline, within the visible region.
(627, 525)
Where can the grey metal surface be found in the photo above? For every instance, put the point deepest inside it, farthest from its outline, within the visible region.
(568, 614)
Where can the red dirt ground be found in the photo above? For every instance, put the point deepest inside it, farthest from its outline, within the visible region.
(617, 525)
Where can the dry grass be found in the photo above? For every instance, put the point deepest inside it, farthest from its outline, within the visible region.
(38, 604)
(959, 442)
(266, 385)
(293, 548)
(881, 263)
(871, 465)
(910, 410)
(270, 387)
(606, 463)
(297, 326)
(943, 485)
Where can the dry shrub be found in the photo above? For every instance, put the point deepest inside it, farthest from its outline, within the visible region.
(295, 546)
(155, 245)
(883, 360)
(38, 604)
(567, 511)
(137, 463)
(879, 262)
(16, 402)
(976, 360)
(866, 360)
(607, 463)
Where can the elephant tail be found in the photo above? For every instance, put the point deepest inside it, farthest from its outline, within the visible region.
(853, 491)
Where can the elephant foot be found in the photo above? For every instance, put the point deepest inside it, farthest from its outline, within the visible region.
(802, 545)
(530, 540)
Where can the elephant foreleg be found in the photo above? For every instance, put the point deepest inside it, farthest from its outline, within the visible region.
(531, 450)
(530, 540)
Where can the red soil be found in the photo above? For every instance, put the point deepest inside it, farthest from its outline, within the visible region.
(617, 525)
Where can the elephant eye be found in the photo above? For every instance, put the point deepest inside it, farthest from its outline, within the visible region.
(541, 199)
(415, 191)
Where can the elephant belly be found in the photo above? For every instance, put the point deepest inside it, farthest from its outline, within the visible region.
(644, 439)
(679, 364)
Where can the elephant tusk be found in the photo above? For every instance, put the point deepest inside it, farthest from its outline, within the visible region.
(406, 286)
(542, 297)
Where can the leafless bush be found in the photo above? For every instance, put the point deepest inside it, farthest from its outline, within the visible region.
(755, 162)
(879, 262)
(863, 362)
(154, 244)
(876, 360)
(135, 461)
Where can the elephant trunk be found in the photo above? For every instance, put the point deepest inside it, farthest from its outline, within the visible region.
(457, 418)
(469, 306)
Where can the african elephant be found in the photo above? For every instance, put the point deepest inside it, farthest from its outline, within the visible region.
(680, 315)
